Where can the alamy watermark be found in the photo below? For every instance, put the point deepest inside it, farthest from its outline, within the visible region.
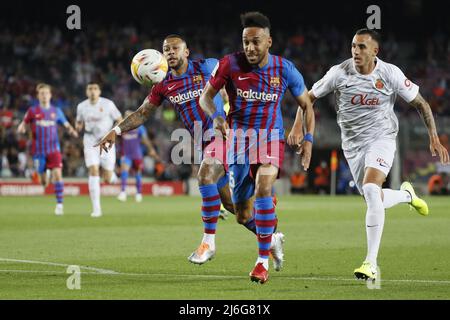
(74, 280)
(374, 20)
(73, 22)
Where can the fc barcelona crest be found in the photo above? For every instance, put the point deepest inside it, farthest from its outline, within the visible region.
(53, 115)
(379, 84)
(274, 82)
(198, 79)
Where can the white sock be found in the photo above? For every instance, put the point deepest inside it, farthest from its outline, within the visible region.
(394, 197)
(265, 262)
(374, 220)
(210, 240)
(94, 192)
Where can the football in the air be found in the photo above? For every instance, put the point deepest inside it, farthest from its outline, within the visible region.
(149, 67)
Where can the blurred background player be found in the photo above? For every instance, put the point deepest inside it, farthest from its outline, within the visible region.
(43, 120)
(97, 116)
(366, 89)
(255, 82)
(132, 158)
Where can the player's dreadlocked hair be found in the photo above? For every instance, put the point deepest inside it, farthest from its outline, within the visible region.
(255, 19)
(372, 33)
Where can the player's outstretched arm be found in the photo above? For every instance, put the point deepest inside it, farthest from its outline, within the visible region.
(207, 104)
(427, 115)
(131, 122)
(312, 97)
(305, 148)
(151, 149)
(22, 128)
(79, 125)
(295, 136)
(71, 130)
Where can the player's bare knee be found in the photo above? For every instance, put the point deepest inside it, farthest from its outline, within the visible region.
(57, 176)
(229, 206)
(263, 191)
(204, 177)
(93, 171)
(208, 174)
(242, 218)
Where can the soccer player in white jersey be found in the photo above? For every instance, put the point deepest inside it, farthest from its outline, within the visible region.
(97, 115)
(365, 89)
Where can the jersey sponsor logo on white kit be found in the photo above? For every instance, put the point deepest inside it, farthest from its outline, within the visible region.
(407, 83)
(365, 100)
(383, 163)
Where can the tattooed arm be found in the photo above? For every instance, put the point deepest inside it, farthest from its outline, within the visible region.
(427, 115)
(131, 122)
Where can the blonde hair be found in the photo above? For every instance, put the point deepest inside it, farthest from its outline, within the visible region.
(43, 86)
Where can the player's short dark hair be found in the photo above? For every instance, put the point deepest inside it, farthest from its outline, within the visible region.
(174, 35)
(94, 83)
(255, 19)
(372, 33)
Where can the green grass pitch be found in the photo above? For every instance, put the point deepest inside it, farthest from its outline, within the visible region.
(146, 245)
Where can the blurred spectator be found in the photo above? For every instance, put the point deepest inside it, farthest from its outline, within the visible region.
(322, 178)
(438, 184)
(298, 182)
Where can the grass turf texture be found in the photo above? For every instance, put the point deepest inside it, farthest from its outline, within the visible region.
(148, 243)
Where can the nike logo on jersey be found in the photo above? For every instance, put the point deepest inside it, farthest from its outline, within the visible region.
(171, 87)
(240, 78)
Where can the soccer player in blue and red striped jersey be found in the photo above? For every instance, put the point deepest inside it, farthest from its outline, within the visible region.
(182, 87)
(43, 120)
(132, 157)
(256, 81)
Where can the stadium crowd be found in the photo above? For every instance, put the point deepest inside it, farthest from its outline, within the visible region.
(68, 61)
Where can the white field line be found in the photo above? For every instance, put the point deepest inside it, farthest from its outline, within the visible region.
(98, 271)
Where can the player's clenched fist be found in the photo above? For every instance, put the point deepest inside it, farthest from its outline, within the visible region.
(295, 138)
(107, 141)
